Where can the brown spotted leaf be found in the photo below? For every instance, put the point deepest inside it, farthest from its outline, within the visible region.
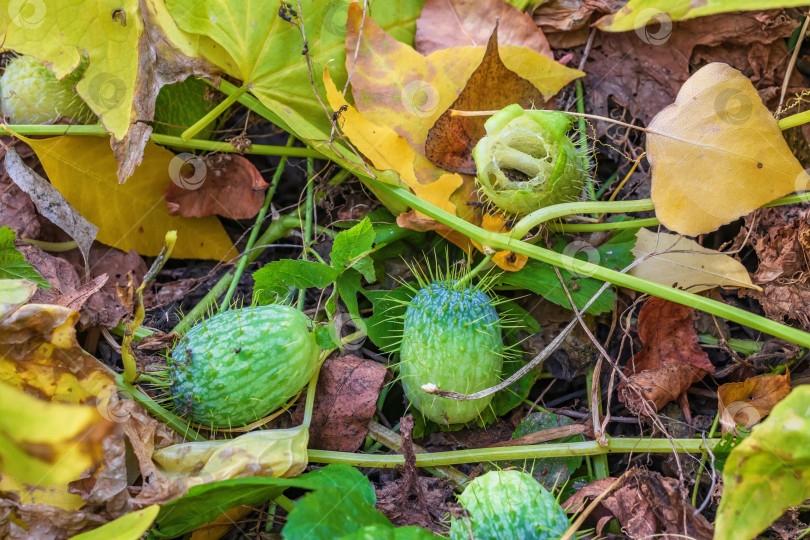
(492, 86)
(746, 403)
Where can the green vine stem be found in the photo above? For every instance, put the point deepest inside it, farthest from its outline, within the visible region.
(213, 113)
(308, 219)
(505, 242)
(254, 234)
(97, 130)
(157, 410)
(552, 212)
(508, 453)
(278, 229)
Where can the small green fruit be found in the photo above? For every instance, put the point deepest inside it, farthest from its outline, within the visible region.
(31, 94)
(242, 364)
(527, 162)
(508, 504)
(451, 338)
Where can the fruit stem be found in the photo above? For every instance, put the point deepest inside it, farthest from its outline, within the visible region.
(213, 113)
(505, 242)
(140, 397)
(308, 210)
(508, 453)
(463, 280)
(271, 191)
(97, 130)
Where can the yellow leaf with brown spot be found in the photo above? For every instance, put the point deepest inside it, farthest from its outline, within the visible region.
(717, 153)
(50, 425)
(746, 403)
(132, 215)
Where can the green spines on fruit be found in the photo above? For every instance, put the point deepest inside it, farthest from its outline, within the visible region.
(508, 504)
(242, 364)
(451, 338)
(527, 162)
(31, 94)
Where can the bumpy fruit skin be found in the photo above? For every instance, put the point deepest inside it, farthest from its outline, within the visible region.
(451, 338)
(31, 94)
(509, 504)
(527, 162)
(241, 364)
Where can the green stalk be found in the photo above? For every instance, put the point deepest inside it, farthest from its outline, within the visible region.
(600, 462)
(542, 215)
(308, 214)
(742, 346)
(507, 453)
(268, 197)
(213, 113)
(593, 227)
(794, 120)
(158, 411)
(504, 242)
(97, 130)
(703, 462)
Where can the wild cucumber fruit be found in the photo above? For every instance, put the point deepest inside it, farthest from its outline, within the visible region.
(526, 161)
(31, 94)
(451, 338)
(508, 504)
(242, 364)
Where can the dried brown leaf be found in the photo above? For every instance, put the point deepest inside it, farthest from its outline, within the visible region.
(345, 402)
(671, 360)
(492, 86)
(746, 403)
(224, 184)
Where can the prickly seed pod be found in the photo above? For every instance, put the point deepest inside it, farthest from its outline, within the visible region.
(526, 161)
(31, 94)
(242, 364)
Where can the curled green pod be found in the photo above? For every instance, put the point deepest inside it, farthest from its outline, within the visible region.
(526, 161)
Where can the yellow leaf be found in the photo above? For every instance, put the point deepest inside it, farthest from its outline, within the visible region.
(130, 526)
(692, 267)
(747, 402)
(281, 453)
(109, 32)
(50, 423)
(131, 215)
(395, 86)
(51, 495)
(389, 151)
(717, 153)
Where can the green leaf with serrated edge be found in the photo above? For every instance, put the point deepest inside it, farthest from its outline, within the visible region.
(128, 527)
(348, 285)
(12, 262)
(384, 327)
(541, 278)
(352, 244)
(273, 278)
(204, 503)
(333, 512)
(323, 335)
(769, 471)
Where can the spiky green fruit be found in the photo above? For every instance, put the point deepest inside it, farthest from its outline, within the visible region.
(527, 162)
(31, 94)
(451, 338)
(242, 364)
(508, 504)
